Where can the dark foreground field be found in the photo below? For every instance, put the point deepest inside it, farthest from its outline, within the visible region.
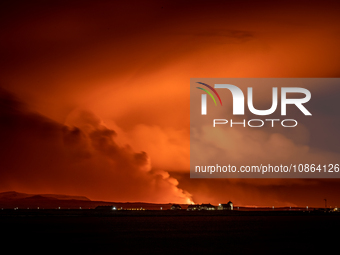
(169, 233)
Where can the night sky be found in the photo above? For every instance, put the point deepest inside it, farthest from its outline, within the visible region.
(94, 95)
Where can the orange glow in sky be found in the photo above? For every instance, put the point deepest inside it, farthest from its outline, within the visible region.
(95, 95)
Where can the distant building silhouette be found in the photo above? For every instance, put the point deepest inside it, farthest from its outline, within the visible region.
(229, 206)
(175, 207)
(208, 207)
(193, 208)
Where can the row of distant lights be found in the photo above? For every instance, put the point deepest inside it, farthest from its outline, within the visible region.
(114, 208)
(16, 208)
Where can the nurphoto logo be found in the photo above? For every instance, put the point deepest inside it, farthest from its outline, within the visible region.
(257, 128)
(238, 103)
